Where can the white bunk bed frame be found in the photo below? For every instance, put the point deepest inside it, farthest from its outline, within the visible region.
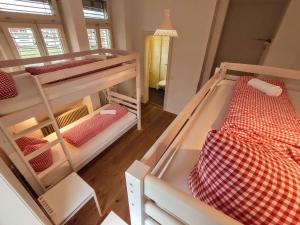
(56, 92)
(154, 201)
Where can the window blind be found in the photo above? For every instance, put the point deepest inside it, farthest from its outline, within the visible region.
(92, 36)
(95, 9)
(25, 42)
(105, 38)
(42, 7)
(53, 41)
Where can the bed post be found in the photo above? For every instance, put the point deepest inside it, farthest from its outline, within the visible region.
(135, 175)
(223, 69)
(138, 92)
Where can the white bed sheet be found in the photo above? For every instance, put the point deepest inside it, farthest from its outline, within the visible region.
(28, 95)
(82, 155)
(211, 116)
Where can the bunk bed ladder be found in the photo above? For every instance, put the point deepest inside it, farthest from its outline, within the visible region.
(12, 140)
(50, 121)
(54, 123)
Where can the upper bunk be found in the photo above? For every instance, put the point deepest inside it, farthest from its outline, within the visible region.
(105, 68)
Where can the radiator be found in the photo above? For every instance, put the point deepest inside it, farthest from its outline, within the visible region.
(66, 118)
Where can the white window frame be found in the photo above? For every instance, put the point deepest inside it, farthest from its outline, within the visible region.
(103, 24)
(37, 34)
(98, 40)
(99, 26)
(61, 32)
(6, 26)
(13, 16)
(94, 20)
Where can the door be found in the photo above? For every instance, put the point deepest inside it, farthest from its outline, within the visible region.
(157, 58)
(249, 28)
(158, 63)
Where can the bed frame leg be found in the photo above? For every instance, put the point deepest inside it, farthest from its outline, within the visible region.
(135, 191)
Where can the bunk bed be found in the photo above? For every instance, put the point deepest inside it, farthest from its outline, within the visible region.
(43, 92)
(158, 184)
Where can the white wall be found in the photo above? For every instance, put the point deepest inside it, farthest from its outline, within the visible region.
(246, 21)
(193, 20)
(285, 49)
(74, 24)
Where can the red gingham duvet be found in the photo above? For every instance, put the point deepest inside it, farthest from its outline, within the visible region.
(263, 118)
(91, 127)
(247, 181)
(250, 169)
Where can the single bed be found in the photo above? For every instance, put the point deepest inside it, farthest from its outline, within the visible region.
(209, 117)
(157, 185)
(82, 155)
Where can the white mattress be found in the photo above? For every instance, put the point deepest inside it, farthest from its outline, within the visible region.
(211, 116)
(28, 95)
(82, 155)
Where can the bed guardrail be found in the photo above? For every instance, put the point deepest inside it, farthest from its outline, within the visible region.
(139, 170)
(128, 102)
(43, 59)
(181, 207)
(164, 141)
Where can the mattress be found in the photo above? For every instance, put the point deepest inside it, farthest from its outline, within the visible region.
(86, 152)
(28, 95)
(211, 116)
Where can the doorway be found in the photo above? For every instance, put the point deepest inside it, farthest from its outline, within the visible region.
(156, 67)
(249, 28)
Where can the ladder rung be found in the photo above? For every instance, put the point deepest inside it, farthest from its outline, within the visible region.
(41, 150)
(31, 129)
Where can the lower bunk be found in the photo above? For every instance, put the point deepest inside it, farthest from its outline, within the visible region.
(83, 153)
(158, 185)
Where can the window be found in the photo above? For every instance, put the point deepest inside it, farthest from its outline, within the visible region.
(42, 7)
(95, 9)
(99, 37)
(25, 42)
(28, 40)
(53, 41)
(92, 36)
(105, 38)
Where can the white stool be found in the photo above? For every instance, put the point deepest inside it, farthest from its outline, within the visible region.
(113, 219)
(65, 199)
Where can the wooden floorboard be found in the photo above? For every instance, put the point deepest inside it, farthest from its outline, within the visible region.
(106, 172)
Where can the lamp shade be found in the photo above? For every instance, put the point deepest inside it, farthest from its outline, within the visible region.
(166, 28)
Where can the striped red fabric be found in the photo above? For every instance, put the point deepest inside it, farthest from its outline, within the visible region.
(246, 180)
(8, 87)
(88, 129)
(31, 144)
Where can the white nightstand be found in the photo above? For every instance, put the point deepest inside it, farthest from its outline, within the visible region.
(65, 199)
(113, 219)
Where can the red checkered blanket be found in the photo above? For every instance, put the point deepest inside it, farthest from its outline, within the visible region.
(265, 119)
(250, 169)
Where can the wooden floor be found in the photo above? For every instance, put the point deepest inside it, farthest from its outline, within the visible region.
(106, 172)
